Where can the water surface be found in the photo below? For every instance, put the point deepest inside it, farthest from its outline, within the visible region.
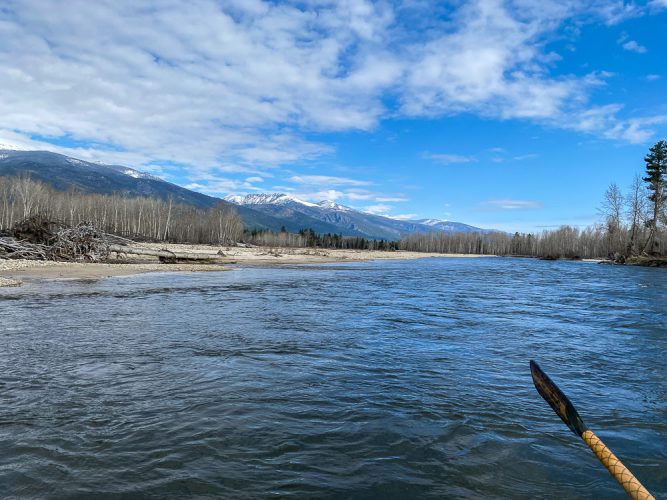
(371, 380)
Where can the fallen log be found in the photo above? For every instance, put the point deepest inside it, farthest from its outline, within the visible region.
(167, 255)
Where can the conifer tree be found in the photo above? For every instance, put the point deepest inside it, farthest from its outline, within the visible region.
(656, 177)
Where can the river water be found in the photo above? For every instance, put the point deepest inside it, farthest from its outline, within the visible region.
(385, 379)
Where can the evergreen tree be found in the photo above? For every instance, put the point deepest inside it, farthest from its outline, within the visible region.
(656, 176)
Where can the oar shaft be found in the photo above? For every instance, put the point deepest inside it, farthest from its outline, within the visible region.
(630, 484)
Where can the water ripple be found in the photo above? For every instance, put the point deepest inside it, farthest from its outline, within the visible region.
(373, 380)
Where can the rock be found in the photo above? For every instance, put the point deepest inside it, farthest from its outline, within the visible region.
(7, 282)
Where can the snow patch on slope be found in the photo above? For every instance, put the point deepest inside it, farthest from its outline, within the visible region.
(74, 161)
(132, 173)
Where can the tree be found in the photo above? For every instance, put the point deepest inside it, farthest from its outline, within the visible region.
(612, 211)
(29, 193)
(636, 209)
(656, 174)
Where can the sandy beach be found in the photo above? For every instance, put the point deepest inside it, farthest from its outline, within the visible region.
(13, 272)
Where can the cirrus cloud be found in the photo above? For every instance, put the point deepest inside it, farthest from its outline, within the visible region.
(514, 204)
(448, 158)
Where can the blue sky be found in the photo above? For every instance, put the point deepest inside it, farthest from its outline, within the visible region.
(514, 115)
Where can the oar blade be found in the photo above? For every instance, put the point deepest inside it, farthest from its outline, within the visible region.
(557, 400)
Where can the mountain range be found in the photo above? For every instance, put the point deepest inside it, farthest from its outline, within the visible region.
(349, 221)
(259, 211)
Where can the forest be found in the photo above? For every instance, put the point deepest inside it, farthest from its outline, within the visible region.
(136, 218)
(631, 224)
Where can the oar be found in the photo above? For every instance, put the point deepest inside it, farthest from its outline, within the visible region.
(565, 410)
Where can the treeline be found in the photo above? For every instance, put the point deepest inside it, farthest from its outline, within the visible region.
(136, 218)
(633, 224)
(308, 238)
(564, 243)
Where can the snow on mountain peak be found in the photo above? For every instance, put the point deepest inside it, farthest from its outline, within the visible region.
(431, 222)
(282, 199)
(332, 205)
(266, 199)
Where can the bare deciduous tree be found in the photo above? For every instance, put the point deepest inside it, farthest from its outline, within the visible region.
(146, 218)
(612, 212)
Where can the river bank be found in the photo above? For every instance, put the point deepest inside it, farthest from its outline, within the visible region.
(12, 272)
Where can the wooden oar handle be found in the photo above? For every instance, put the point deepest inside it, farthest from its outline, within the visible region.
(630, 484)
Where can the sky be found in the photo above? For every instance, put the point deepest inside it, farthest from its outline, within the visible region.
(514, 115)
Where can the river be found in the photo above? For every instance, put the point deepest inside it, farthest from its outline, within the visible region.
(387, 379)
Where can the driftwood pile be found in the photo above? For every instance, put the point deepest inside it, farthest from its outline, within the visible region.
(40, 238)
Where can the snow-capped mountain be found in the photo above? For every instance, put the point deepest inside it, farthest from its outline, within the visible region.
(449, 226)
(282, 199)
(333, 217)
(266, 199)
(261, 211)
(332, 205)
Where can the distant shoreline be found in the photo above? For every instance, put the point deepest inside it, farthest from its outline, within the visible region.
(12, 272)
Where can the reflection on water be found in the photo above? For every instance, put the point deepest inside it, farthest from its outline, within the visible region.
(387, 380)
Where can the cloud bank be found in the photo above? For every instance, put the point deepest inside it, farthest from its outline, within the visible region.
(241, 86)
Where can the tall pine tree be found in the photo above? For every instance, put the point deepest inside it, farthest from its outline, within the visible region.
(656, 177)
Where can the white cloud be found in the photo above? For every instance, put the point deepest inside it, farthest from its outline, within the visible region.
(653, 78)
(384, 211)
(603, 120)
(615, 11)
(365, 195)
(636, 130)
(633, 46)
(402, 216)
(491, 63)
(379, 209)
(391, 199)
(328, 194)
(236, 87)
(326, 180)
(448, 159)
(193, 83)
(514, 204)
(529, 156)
(347, 195)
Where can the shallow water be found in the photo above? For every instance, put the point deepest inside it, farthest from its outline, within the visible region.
(371, 380)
